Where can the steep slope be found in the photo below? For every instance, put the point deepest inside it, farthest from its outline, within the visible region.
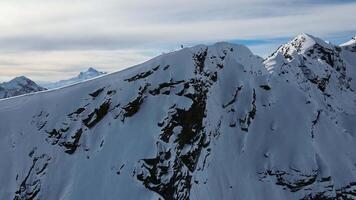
(17, 86)
(82, 76)
(350, 44)
(208, 122)
(348, 54)
(325, 73)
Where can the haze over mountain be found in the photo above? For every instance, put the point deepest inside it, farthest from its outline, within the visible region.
(206, 122)
(82, 76)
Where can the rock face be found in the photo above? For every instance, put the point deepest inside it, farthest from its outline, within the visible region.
(207, 122)
(18, 86)
(82, 76)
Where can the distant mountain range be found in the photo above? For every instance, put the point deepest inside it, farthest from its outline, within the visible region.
(23, 85)
(82, 76)
(208, 122)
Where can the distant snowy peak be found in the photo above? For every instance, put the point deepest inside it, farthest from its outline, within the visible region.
(18, 86)
(20, 82)
(350, 42)
(350, 45)
(82, 76)
(90, 73)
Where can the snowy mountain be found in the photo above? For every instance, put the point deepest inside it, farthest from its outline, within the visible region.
(350, 45)
(82, 76)
(17, 86)
(207, 122)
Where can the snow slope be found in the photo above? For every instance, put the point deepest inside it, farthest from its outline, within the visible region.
(18, 86)
(82, 76)
(207, 122)
(351, 42)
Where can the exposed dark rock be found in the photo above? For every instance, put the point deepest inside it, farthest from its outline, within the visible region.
(111, 92)
(134, 106)
(156, 68)
(283, 179)
(332, 58)
(199, 59)
(97, 92)
(317, 118)
(40, 120)
(265, 87)
(187, 127)
(30, 186)
(59, 137)
(166, 67)
(72, 146)
(314, 122)
(233, 100)
(140, 76)
(77, 112)
(119, 171)
(246, 121)
(166, 85)
(97, 115)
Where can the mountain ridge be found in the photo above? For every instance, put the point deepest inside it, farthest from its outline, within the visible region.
(208, 122)
(82, 76)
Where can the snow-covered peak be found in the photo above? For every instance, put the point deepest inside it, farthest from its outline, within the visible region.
(17, 86)
(317, 67)
(221, 52)
(92, 70)
(301, 44)
(238, 48)
(218, 47)
(19, 82)
(90, 73)
(350, 46)
(350, 42)
(82, 76)
(310, 40)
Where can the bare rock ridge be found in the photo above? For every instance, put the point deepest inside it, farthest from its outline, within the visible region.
(206, 122)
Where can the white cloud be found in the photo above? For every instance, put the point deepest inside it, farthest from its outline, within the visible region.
(56, 65)
(73, 28)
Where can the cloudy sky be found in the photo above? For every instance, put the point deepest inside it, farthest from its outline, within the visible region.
(55, 39)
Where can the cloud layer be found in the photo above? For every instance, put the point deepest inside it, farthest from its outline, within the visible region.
(54, 39)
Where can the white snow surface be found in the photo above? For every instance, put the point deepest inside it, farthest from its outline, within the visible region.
(207, 122)
(350, 42)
